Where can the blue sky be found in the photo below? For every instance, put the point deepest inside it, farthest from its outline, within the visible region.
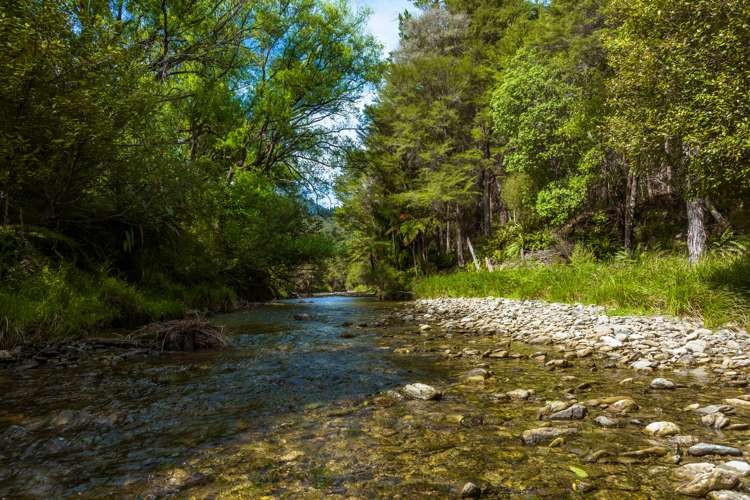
(384, 19)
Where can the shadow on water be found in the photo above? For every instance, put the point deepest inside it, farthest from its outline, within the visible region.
(67, 431)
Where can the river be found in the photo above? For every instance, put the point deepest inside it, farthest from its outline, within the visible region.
(305, 409)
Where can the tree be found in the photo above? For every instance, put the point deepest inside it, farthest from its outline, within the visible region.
(682, 80)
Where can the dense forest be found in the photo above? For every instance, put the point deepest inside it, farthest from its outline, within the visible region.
(510, 130)
(161, 156)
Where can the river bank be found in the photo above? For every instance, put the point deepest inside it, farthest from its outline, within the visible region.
(644, 343)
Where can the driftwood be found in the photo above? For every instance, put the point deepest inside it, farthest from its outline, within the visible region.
(180, 335)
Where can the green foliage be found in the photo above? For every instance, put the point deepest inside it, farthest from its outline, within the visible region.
(175, 140)
(517, 194)
(511, 241)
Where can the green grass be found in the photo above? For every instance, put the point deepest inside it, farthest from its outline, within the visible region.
(716, 291)
(63, 302)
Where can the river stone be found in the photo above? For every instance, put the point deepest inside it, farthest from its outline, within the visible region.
(6, 356)
(575, 412)
(662, 429)
(623, 406)
(716, 420)
(727, 495)
(708, 410)
(739, 467)
(642, 364)
(424, 327)
(545, 434)
(662, 383)
(684, 440)
(702, 449)
(736, 402)
(605, 421)
(520, 394)
(653, 451)
(715, 480)
(302, 317)
(611, 342)
(603, 331)
(498, 354)
(477, 375)
(688, 472)
(697, 346)
(552, 407)
(422, 391)
(471, 490)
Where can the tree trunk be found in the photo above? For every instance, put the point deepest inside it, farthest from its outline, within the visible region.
(473, 255)
(459, 246)
(696, 238)
(485, 202)
(448, 237)
(630, 202)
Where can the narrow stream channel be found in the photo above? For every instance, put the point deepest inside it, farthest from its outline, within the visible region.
(303, 409)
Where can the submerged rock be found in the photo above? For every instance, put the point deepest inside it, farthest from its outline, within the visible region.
(476, 375)
(422, 391)
(727, 495)
(520, 394)
(575, 412)
(708, 410)
(717, 479)
(716, 420)
(605, 421)
(545, 434)
(703, 449)
(662, 383)
(470, 490)
(738, 467)
(688, 472)
(623, 406)
(662, 429)
(552, 407)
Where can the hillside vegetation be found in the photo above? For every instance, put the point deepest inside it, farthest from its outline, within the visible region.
(507, 134)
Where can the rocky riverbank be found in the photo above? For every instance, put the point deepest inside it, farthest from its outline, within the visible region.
(640, 343)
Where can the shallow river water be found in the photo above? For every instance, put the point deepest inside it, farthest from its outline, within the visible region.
(305, 409)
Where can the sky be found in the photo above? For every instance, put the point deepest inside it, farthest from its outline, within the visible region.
(384, 19)
(383, 23)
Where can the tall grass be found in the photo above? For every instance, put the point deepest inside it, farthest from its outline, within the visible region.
(63, 302)
(716, 291)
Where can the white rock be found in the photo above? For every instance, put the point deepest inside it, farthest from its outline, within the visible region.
(740, 467)
(698, 346)
(662, 383)
(422, 391)
(611, 341)
(662, 429)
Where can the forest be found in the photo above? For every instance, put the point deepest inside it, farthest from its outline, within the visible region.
(162, 156)
(610, 133)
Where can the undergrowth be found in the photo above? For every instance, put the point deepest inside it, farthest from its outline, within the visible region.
(58, 302)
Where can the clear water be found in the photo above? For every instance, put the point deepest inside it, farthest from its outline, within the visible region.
(295, 410)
